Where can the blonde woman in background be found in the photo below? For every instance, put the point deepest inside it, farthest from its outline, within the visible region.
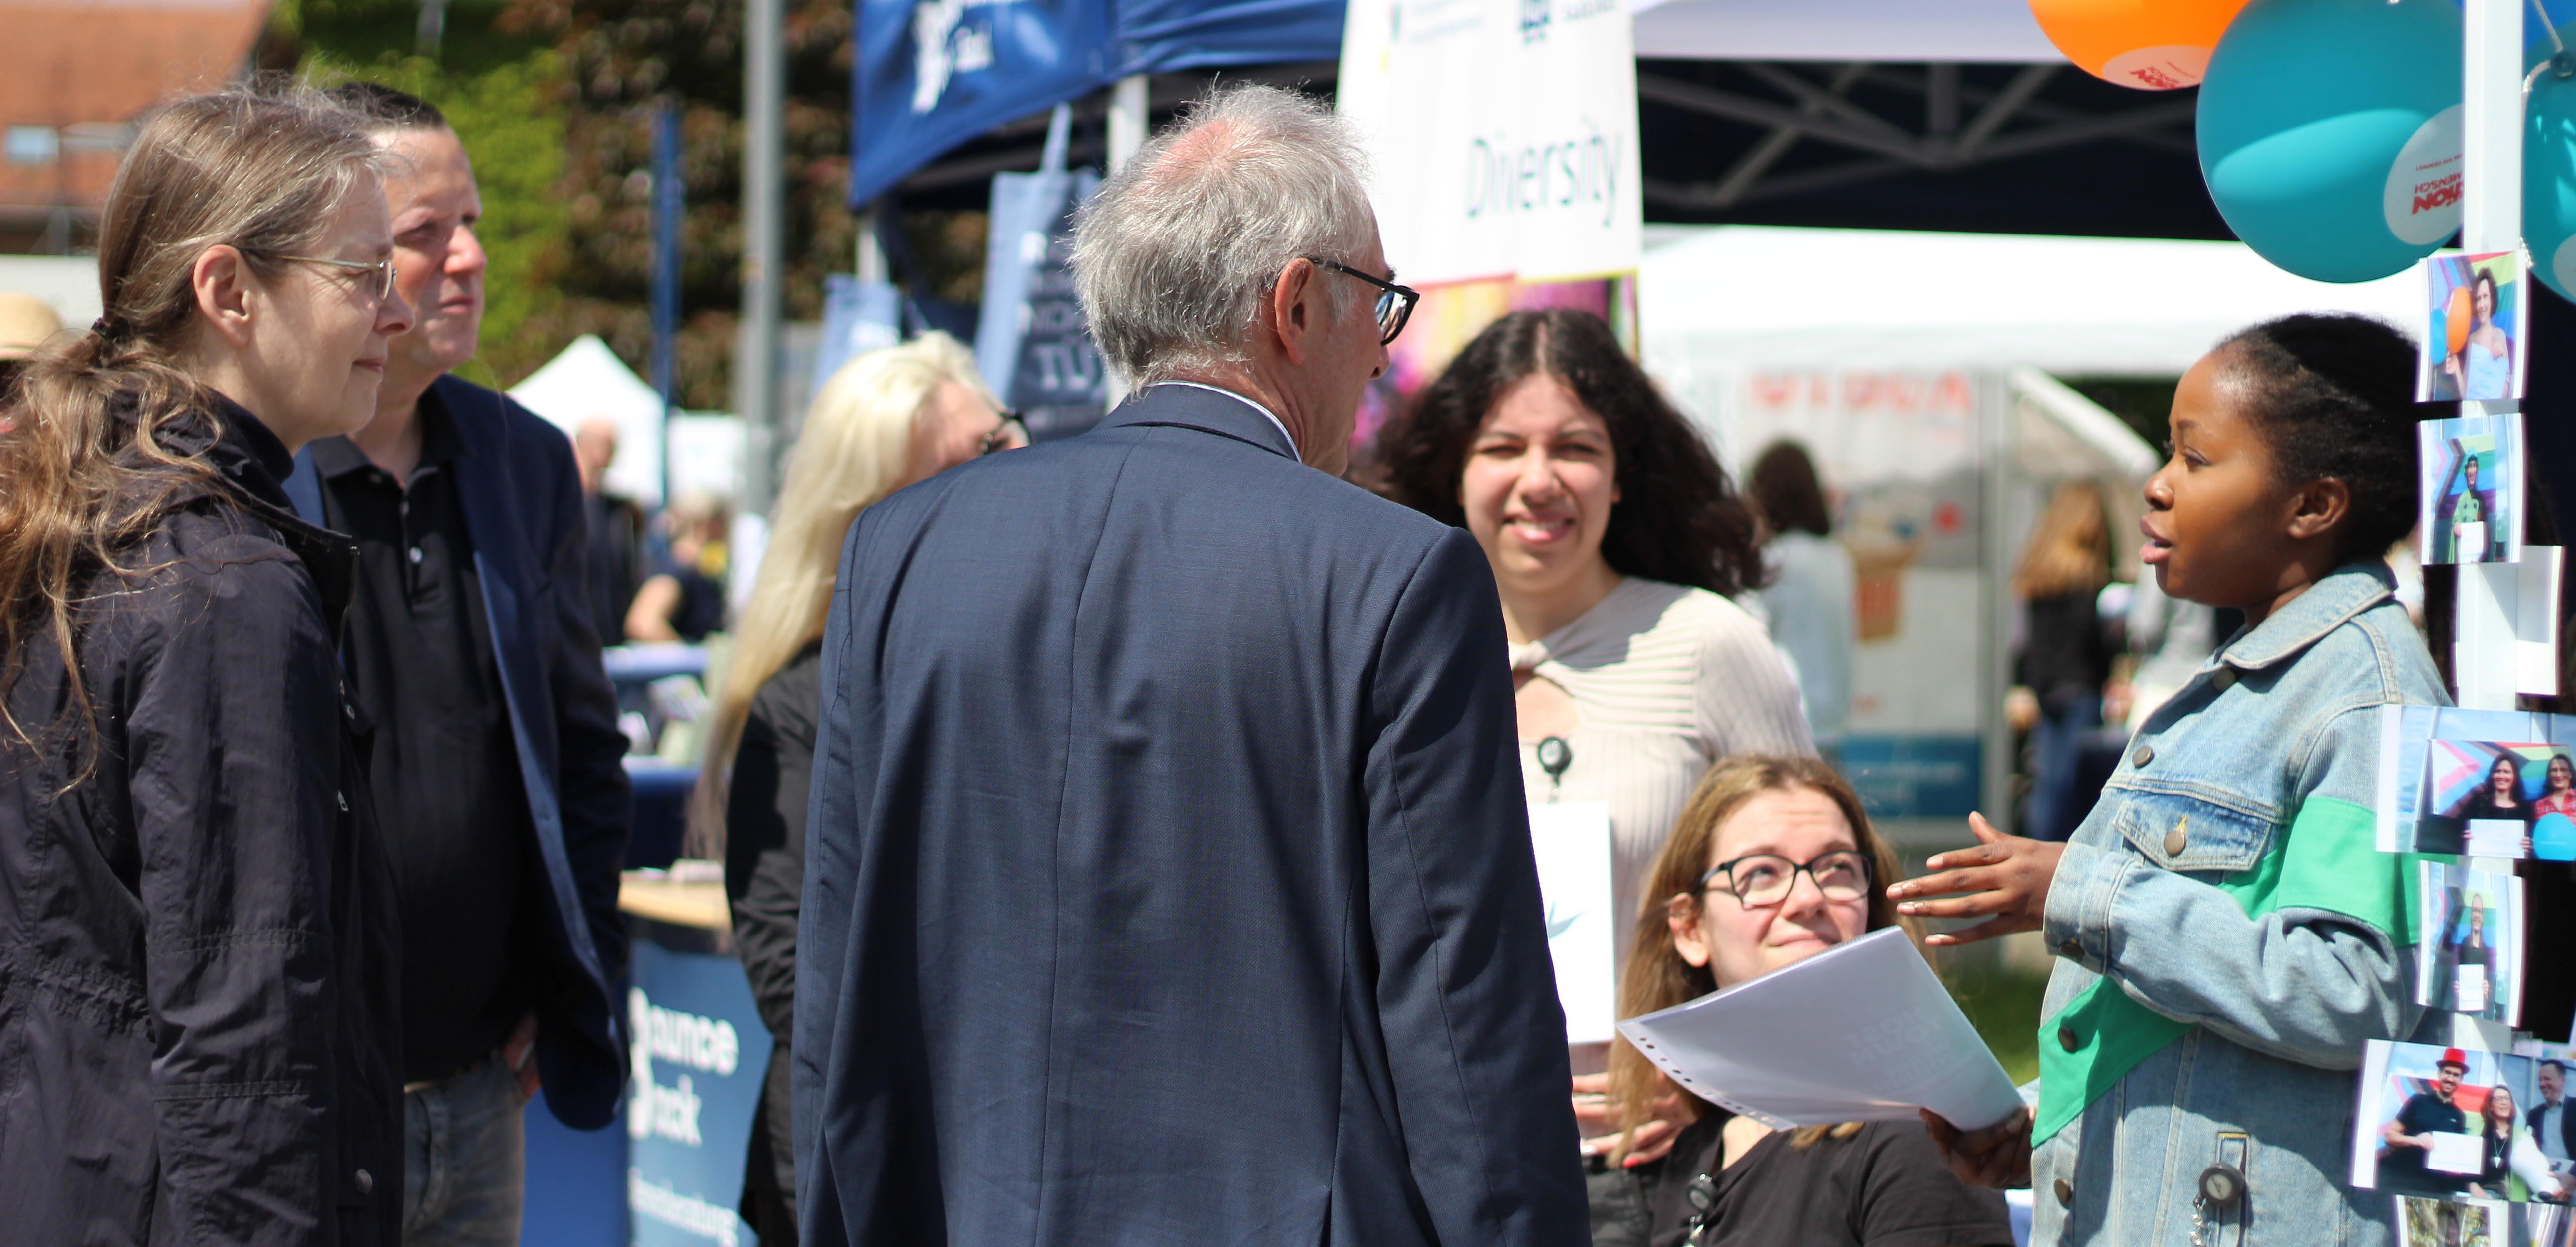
(886, 420)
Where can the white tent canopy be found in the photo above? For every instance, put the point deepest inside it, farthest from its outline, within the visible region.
(1841, 30)
(1891, 298)
(587, 381)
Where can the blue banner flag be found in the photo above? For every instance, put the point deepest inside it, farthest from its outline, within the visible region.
(932, 74)
(1033, 346)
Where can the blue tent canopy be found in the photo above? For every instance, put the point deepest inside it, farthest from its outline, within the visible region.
(934, 74)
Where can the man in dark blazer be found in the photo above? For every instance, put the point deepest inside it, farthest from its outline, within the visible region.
(1168, 878)
(2553, 1127)
(495, 759)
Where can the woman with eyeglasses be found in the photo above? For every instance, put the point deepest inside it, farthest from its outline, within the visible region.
(886, 420)
(1772, 861)
(198, 1029)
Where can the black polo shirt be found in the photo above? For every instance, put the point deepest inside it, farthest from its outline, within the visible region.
(443, 767)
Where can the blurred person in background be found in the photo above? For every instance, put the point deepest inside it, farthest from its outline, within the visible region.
(199, 1034)
(1616, 542)
(26, 323)
(685, 600)
(1770, 863)
(495, 758)
(885, 420)
(2064, 661)
(1809, 598)
(1164, 880)
(612, 565)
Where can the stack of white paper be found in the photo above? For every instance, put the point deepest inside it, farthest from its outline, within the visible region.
(1863, 1032)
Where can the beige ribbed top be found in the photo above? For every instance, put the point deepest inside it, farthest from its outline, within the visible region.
(1665, 679)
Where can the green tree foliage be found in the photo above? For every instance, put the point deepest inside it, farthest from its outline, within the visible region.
(555, 100)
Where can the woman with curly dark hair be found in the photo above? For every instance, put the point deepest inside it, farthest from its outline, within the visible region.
(1616, 540)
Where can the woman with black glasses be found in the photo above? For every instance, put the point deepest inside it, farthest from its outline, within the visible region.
(886, 420)
(1772, 862)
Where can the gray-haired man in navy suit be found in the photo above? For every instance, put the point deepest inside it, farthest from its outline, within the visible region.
(1168, 878)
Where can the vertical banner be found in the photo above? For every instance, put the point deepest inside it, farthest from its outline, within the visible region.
(1502, 136)
(1032, 344)
(699, 1053)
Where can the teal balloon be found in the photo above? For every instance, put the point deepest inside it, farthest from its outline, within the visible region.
(2553, 839)
(2330, 133)
(2549, 181)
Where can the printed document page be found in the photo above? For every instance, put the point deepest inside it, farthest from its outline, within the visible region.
(1863, 1032)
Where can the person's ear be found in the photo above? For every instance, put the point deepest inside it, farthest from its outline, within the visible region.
(1295, 309)
(2318, 507)
(226, 292)
(1682, 915)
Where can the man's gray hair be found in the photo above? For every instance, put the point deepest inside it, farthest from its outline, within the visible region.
(1175, 255)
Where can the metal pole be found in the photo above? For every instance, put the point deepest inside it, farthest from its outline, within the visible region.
(2491, 220)
(668, 198)
(1996, 400)
(1128, 105)
(764, 252)
(871, 266)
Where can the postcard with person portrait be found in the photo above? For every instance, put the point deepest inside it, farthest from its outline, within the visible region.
(2477, 783)
(2451, 1124)
(2471, 496)
(2476, 318)
(2469, 942)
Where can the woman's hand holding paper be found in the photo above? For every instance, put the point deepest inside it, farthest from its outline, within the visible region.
(2005, 879)
(1997, 1156)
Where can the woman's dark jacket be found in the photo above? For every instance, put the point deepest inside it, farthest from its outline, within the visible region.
(765, 877)
(2065, 652)
(199, 1037)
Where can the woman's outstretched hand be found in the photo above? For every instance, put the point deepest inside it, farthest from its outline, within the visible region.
(2005, 880)
(1997, 1156)
(1599, 1120)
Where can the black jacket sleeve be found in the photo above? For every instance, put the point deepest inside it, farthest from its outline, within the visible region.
(1475, 1041)
(234, 746)
(597, 804)
(773, 772)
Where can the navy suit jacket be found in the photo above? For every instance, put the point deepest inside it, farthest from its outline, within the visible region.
(1168, 878)
(521, 495)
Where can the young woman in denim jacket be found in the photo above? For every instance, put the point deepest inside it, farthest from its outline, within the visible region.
(2229, 938)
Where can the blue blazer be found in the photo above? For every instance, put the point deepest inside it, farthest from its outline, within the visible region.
(1168, 878)
(521, 495)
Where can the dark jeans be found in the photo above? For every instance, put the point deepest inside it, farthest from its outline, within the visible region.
(2055, 743)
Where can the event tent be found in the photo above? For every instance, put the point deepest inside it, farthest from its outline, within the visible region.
(1920, 371)
(1841, 30)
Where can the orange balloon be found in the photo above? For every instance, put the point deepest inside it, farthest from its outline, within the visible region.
(2455, 322)
(2150, 45)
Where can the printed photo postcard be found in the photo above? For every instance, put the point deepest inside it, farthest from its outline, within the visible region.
(2470, 500)
(2476, 318)
(2484, 783)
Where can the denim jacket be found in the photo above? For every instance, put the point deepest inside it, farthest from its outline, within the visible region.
(2229, 938)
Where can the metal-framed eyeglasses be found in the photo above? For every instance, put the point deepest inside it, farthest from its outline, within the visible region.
(383, 269)
(1012, 431)
(1394, 302)
(1761, 880)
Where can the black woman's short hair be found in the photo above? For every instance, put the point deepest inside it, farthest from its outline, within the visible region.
(2333, 394)
(1679, 519)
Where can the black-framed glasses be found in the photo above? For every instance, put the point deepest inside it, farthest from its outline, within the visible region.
(1761, 880)
(1012, 431)
(1394, 303)
(383, 269)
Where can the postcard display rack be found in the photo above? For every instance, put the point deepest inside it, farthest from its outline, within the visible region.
(2493, 658)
